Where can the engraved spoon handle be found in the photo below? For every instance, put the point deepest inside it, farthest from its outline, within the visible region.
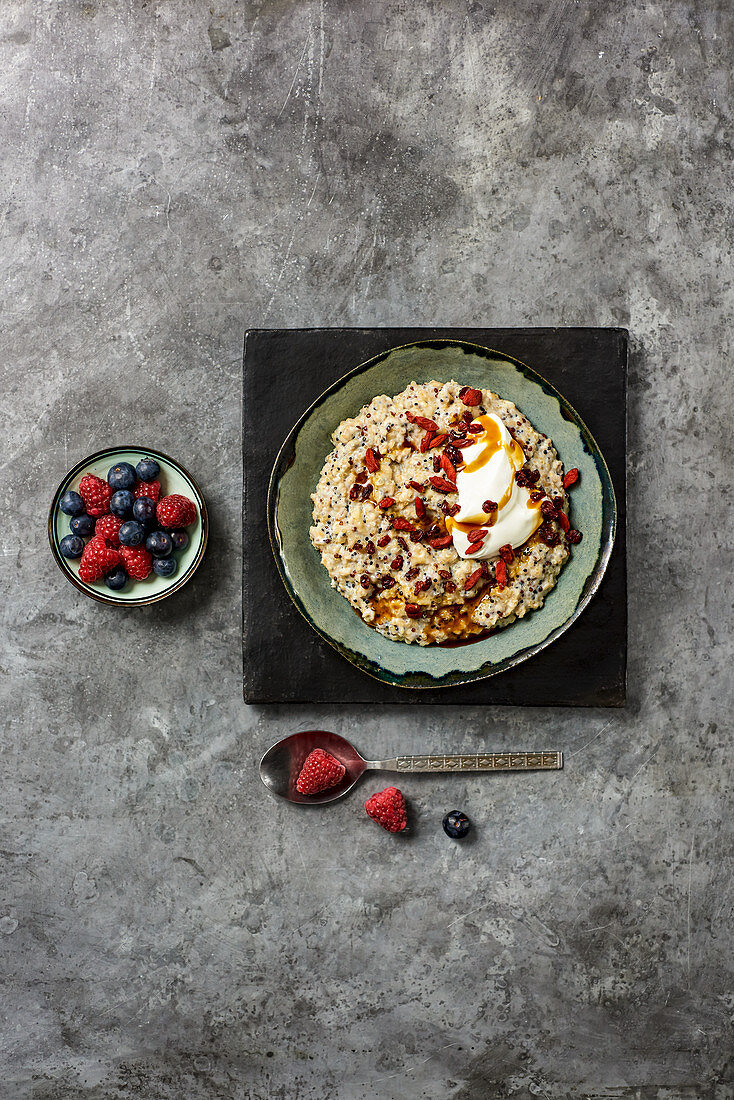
(474, 762)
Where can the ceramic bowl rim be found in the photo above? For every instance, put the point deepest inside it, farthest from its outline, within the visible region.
(103, 597)
(607, 540)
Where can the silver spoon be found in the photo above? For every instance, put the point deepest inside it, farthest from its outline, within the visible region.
(281, 764)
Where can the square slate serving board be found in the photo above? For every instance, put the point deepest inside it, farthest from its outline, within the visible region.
(285, 661)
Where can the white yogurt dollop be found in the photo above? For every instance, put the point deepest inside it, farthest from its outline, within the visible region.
(489, 474)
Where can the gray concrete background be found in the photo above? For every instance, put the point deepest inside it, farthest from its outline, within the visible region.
(171, 173)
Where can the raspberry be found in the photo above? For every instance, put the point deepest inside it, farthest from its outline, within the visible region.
(108, 527)
(150, 489)
(177, 511)
(320, 770)
(97, 559)
(96, 495)
(137, 561)
(387, 808)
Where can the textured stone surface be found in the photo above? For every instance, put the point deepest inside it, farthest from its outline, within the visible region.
(172, 173)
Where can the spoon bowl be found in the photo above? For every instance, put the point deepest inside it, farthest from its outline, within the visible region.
(281, 764)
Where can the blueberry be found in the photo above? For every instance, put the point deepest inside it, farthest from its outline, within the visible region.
(71, 546)
(456, 824)
(82, 525)
(159, 544)
(179, 539)
(72, 503)
(121, 503)
(147, 469)
(165, 567)
(143, 509)
(131, 533)
(117, 579)
(121, 476)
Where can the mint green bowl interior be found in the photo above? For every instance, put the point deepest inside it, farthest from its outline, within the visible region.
(174, 479)
(296, 473)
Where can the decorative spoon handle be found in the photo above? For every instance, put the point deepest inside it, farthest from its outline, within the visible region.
(474, 762)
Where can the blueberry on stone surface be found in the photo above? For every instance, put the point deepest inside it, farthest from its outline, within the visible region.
(121, 476)
(131, 533)
(117, 579)
(179, 539)
(165, 567)
(456, 824)
(82, 525)
(147, 469)
(121, 503)
(159, 544)
(72, 503)
(71, 546)
(143, 509)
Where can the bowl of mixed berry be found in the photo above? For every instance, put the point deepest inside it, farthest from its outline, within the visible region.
(128, 526)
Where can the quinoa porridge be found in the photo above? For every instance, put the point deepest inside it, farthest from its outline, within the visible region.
(442, 514)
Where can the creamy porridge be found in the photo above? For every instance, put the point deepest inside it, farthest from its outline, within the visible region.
(441, 513)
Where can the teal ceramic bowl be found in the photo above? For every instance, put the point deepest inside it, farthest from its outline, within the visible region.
(296, 473)
(174, 479)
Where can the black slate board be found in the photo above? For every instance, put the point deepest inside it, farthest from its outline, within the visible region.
(285, 661)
